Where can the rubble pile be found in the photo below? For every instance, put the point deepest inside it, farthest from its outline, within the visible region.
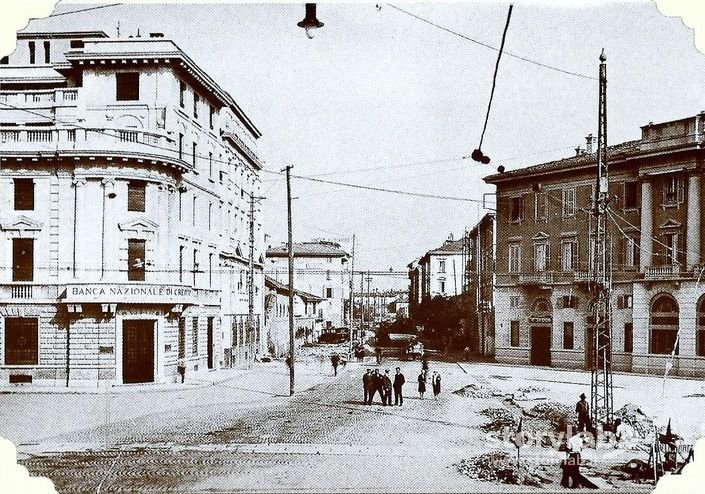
(642, 424)
(498, 466)
(475, 391)
(555, 414)
(499, 419)
(532, 389)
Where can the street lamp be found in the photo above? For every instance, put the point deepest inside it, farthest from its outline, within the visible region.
(310, 23)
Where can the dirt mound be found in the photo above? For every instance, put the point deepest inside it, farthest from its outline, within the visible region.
(642, 424)
(498, 466)
(556, 415)
(499, 419)
(475, 391)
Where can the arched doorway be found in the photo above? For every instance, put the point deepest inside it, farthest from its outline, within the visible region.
(540, 323)
(663, 324)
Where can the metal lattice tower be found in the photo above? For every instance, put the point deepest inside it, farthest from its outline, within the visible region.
(601, 383)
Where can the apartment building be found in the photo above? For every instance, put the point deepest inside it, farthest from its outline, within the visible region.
(544, 248)
(126, 174)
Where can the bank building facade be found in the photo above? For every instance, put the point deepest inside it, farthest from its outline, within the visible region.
(126, 178)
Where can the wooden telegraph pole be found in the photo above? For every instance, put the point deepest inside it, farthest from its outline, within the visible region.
(292, 346)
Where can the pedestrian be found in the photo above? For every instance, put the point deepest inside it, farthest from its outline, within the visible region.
(571, 465)
(367, 387)
(335, 360)
(398, 383)
(386, 389)
(582, 409)
(376, 386)
(378, 353)
(181, 369)
(436, 384)
(422, 385)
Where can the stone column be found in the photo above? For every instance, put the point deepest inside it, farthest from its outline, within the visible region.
(693, 226)
(647, 224)
(79, 237)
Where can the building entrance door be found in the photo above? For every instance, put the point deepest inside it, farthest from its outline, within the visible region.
(540, 345)
(137, 351)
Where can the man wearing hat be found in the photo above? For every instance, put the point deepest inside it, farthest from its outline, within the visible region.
(367, 386)
(583, 410)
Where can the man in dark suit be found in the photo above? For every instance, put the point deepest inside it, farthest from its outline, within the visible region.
(367, 386)
(398, 383)
(386, 389)
(376, 386)
(582, 409)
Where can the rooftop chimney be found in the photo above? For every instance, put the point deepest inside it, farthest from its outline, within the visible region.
(590, 140)
(578, 151)
(156, 35)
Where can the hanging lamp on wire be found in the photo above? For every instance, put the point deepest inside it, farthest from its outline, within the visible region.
(477, 154)
(310, 23)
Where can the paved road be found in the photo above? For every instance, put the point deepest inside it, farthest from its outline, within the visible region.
(242, 434)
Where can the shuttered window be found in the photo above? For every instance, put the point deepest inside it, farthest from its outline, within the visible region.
(127, 86)
(135, 259)
(22, 259)
(136, 194)
(24, 194)
(21, 341)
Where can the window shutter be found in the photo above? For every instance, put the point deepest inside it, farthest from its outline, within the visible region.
(575, 255)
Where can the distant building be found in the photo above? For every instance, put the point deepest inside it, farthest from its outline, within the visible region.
(320, 268)
(480, 284)
(125, 179)
(442, 270)
(655, 229)
(414, 287)
(307, 324)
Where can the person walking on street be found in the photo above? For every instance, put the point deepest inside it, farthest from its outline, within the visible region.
(571, 465)
(422, 384)
(378, 353)
(367, 386)
(335, 360)
(436, 384)
(386, 389)
(582, 409)
(398, 383)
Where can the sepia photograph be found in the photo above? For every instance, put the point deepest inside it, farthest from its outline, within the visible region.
(352, 247)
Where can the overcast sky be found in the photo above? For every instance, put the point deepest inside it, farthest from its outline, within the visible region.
(383, 99)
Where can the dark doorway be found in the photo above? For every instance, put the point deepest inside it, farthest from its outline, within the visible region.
(210, 342)
(540, 345)
(22, 259)
(137, 351)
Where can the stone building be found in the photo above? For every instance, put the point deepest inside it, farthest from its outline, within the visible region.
(125, 180)
(320, 268)
(655, 219)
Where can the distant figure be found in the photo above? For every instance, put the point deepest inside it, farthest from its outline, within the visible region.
(367, 386)
(181, 369)
(386, 389)
(378, 353)
(335, 360)
(623, 433)
(436, 384)
(424, 365)
(398, 383)
(583, 411)
(422, 384)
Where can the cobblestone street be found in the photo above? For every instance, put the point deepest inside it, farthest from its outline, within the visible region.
(242, 432)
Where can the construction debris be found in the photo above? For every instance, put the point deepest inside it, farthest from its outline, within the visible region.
(475, 391)
(632, 415)
(500, 418)
(557, 415)
(498, 466)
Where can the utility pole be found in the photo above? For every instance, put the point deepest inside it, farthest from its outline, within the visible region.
(369, 278)
(291, 283)
(362, 303)
(251, 337)
(352, 299)
(601, 382)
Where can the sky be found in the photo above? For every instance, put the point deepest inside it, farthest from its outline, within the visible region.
(380, 98)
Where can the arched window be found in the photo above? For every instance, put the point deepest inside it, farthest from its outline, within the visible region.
(700, 330)
(541, 305)
(664, 324)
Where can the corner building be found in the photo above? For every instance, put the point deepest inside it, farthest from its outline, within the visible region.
(543, 314)
(125, 181)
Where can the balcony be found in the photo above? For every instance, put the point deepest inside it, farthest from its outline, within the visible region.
(666, 272)
(533, 279)
(28, 292)
(39, 98)
(147, 145)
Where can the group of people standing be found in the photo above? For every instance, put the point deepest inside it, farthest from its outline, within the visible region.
(374, 382)
(435, 383)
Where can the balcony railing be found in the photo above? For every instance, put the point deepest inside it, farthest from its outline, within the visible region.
(535, 278)
(41, 98)
(23, 292)
(19, 141)
(668, 271)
